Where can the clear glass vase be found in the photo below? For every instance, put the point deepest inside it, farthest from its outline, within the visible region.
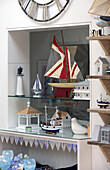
(5, 163)
(29, 164)
(8, 154)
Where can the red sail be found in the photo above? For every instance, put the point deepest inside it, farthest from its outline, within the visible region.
(56, 67)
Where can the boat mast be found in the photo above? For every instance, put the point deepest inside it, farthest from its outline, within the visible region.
(68, 80)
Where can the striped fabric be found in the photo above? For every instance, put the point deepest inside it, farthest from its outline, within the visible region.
(56, 67)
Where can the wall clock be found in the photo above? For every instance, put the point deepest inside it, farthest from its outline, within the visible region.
(43, 10)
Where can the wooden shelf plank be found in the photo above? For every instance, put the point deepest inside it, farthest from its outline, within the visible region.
(98, 38)
(103, 113)
(98, 143)
(105, 81)
(99, 110)
(106, 77)
(104, 41)
(106, 84)
(105, 44)
(104, 147)
(106, 151)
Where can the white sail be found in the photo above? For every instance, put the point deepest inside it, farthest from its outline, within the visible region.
(100, 7)
(37, 84)
(34, 86)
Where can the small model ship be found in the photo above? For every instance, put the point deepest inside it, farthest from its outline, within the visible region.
(53, 126)
(108, 71)
(37, 88)
(61, 65)
(102, 104)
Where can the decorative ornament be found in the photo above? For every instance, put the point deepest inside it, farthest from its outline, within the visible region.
(19, 87)
(77, 128)
(100, 7)
(43, 10)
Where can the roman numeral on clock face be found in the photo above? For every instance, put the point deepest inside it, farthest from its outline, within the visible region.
(24, 3)
(59, 5)
(45, 13)
(32, 9)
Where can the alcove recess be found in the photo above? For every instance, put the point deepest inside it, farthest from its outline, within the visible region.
(19, 55)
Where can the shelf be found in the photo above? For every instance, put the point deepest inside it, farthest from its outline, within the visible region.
(106, 77)
(42, 97)
(106, 37)
(104, 114)
(65, 134)
(104, 41)
(105, 148)
(105, 81)
(81, 91)
(83, 99)
(47, 98)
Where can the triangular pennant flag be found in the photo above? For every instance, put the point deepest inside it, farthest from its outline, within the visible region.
(21, 141)
(2, 138)
(31, 142)
(57, 145)
(7, 139)
(16, 140)
(11, 139)
(36, 143)
(26, 142)
(47, 144)
(63, 145)
(41, 142)
(75, 147)
(69, 146)
(52, 144)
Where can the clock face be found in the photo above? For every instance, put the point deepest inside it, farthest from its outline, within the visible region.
(43, 10)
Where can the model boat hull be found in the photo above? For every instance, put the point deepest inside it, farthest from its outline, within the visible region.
(63, 90)
(50, 129)
(37, 92)
(62, 85)
(102, 104)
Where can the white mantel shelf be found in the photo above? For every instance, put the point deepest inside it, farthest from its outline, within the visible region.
(40, 137)
(32, 139)
(79, 146)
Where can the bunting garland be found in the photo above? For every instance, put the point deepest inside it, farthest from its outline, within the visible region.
(16, 140)
(31, 143)
(47, 143)
(11, 139)
(57, 145)
(36, 143)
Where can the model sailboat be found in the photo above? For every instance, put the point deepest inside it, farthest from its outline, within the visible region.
(61, 65)
(37, 87)
(100, 7)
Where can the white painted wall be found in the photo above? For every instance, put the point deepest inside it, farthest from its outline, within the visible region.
(12, 17)
(18, 55)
